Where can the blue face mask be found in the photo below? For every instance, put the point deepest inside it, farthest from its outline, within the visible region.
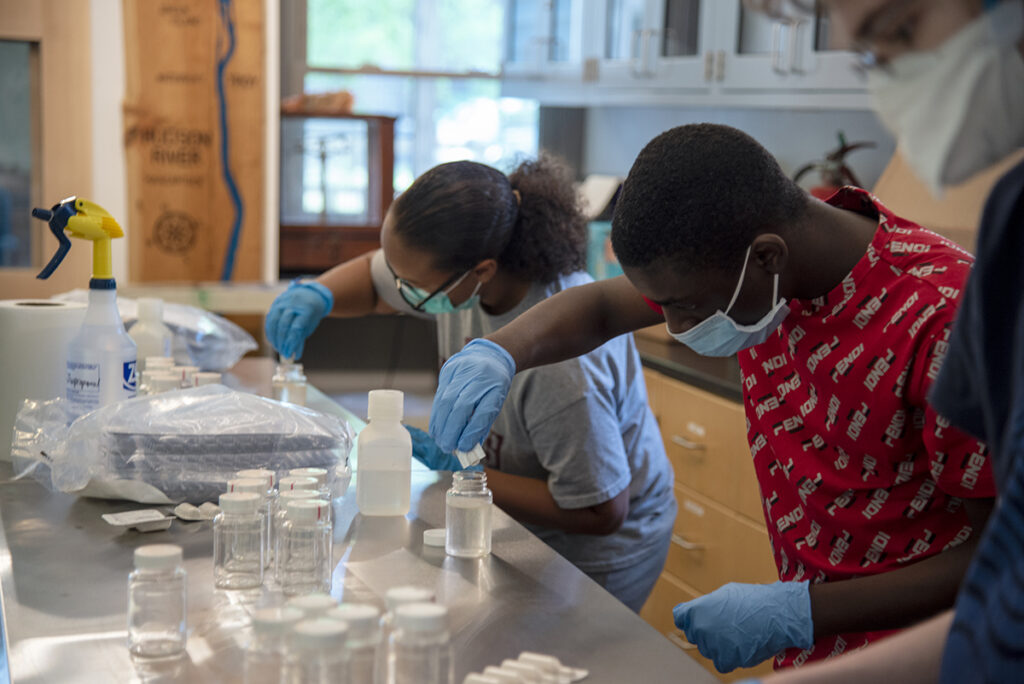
(719, 335)
(438, 302)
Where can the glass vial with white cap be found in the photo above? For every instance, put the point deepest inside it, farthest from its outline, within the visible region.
(320, 475)
(317, 653)
(315, 605)
(253, 485)
(384, 466)
(467, 515)
(238, 542)
(419, 651)
(280, 516)
(363, 640)
(306, 545)
(264, 656)
(151, 336)
(156, 602)
(289, 382)
(393, 598)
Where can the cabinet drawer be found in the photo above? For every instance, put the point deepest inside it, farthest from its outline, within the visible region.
(706, 440)
(712, 546)
(657, 612)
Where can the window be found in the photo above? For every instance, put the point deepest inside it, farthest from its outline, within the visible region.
(435, 64)
(18, 151)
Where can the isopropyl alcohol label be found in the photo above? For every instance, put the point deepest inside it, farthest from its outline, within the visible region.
(83, 383)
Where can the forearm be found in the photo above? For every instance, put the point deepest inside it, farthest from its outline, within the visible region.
(529, 500)
(910, 657)
(890, 600)
(573, 322)
(352, 287)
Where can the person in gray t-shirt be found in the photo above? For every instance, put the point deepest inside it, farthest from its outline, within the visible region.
(575, 454)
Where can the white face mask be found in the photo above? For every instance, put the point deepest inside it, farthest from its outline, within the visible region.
(958, 109)
(719, 335)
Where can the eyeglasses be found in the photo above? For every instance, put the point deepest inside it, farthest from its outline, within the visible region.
(403, 285)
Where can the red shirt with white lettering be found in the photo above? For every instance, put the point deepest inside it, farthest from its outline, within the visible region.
(858, 474)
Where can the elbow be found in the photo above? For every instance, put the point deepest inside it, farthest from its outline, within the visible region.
(609, 516)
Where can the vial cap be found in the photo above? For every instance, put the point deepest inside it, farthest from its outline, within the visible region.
(319, 633)
(477, 678)
(308, 510)
(385, 405)
(158, 557)
(422, 617)
(250, 484)
(150, 309)
(206, 378)
(297, 483)
(186, 372)
(258, 474)
(527, 672)
(276, 620)
(504, 676)
(318, 474)
(296, 494)
(397, 596)
(240, 502)
(154, 362)
(434, 537)
(312, 605)
(542, 661)
(362, 619)
(163, 381)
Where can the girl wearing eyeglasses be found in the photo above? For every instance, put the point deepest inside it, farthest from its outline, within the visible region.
(575, 454)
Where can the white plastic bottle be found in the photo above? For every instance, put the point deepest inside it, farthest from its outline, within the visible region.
(157, 602)
(363, 640)
(264, 656)
(317, 654)
(101, 357)
(151, 336)
(384, 465)
(419, 651)
(467, 516)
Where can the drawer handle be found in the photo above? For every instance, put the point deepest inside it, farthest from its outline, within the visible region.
(680, 641)
(688, 444)
(685, 544)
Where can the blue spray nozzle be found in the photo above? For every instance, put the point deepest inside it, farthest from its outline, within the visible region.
(57, 218)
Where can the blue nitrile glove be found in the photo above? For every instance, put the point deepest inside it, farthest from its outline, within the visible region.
(294, 316)
(470, 392)
(426, 451)
(739, 625)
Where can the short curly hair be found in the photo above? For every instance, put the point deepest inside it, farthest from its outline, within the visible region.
(464, 212)
(699, 195)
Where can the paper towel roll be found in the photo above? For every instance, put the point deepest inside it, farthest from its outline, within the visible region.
(34, 337)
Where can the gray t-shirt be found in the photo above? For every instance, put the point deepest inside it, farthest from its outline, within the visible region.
(582, 425)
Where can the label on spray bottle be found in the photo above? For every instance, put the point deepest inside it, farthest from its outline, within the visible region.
(93, 381)
(83, 384)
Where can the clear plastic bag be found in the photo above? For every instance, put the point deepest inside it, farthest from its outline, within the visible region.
(176, 446)
(201, 338)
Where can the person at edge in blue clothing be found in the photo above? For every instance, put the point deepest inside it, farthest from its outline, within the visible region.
(947, 77)
(575, 455)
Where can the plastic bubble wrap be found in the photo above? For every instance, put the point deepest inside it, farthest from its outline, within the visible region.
(177, 446)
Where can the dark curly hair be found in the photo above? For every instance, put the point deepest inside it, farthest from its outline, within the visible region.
(698, 195)
(464, 212)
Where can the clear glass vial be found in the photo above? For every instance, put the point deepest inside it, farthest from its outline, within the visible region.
(363, 641)
(393, 598)
(238, 542)
(258, 486)
(289, 382)
(157, 602)
(280, 515)
(264, 656)
(419, 651)
(305, 563)
(317, 653)
(468, 515)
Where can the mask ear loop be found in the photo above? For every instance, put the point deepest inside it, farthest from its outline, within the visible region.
(739, 285)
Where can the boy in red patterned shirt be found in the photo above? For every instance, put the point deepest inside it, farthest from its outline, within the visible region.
(871, 498)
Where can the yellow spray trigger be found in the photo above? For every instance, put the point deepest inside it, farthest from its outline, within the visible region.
(85, 220)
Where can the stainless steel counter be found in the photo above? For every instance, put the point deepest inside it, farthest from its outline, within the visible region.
(63, 574)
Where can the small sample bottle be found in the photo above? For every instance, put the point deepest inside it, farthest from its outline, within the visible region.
(290, 482)
(151, 336)
(186, 375)
(305, 564)
(203, 378)
(264, 656)
(419, 650)
(363, 640)
(280, 514)
(317, 653)
(289, 382)
(253, 485)
(393, 598)
(312, 606)
(238, 542)
(467, 516)
(318, 474)
(156, 602)
(384, 466)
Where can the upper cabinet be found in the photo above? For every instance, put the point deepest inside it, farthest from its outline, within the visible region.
(665, 51)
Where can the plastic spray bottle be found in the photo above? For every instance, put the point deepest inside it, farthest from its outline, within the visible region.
(102, 357)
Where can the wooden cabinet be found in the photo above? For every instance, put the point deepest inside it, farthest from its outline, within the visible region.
(719, 534)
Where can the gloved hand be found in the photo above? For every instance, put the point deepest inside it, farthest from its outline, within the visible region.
(471, 389)
(426, 451)
(294, 316)
(739, 625)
